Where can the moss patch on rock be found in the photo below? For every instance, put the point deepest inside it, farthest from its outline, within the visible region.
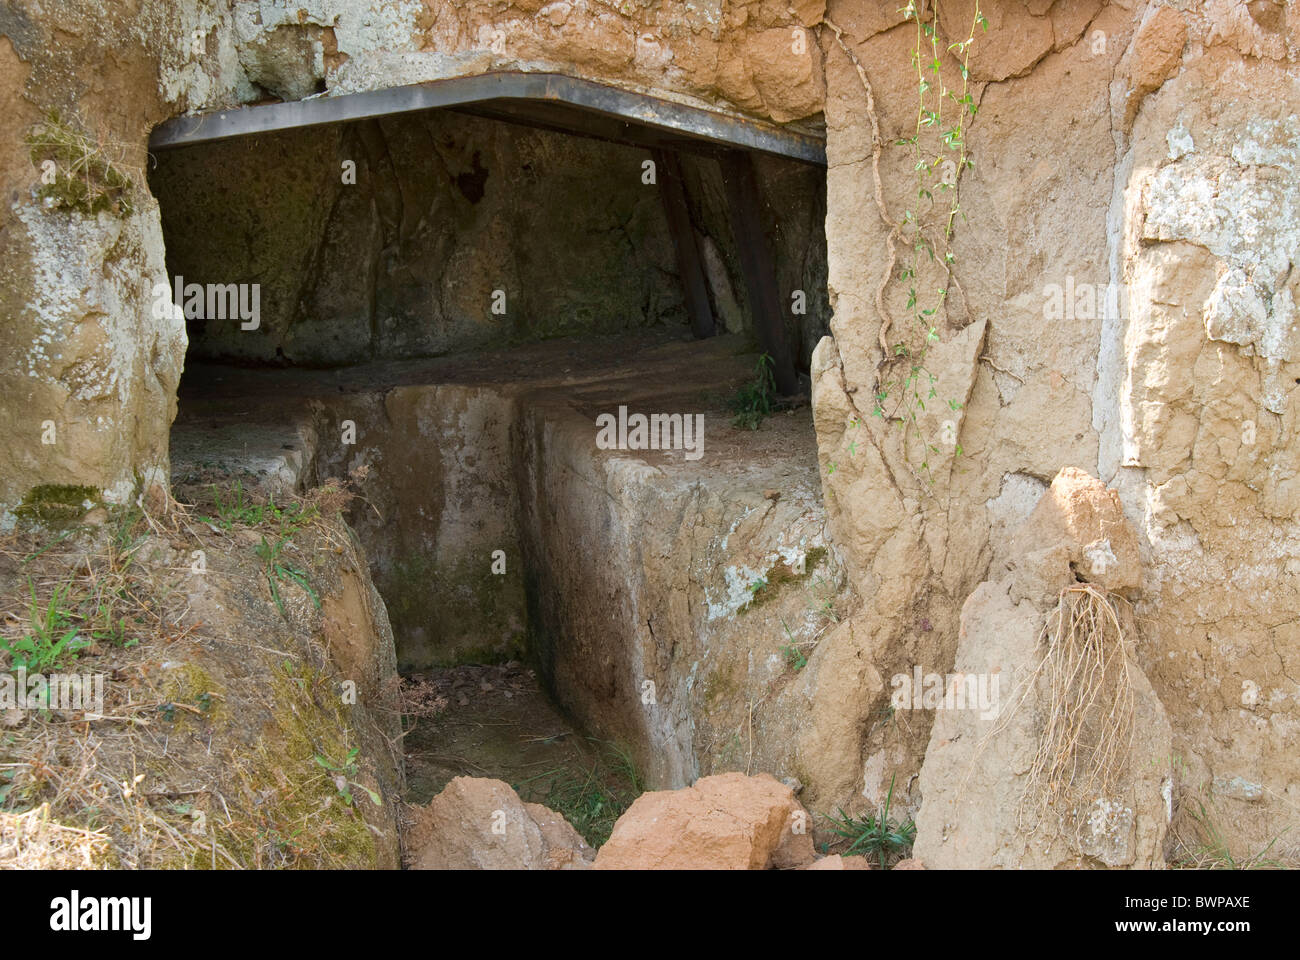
(193, 688)
(53, 503)
(781, 574)
(304, 819)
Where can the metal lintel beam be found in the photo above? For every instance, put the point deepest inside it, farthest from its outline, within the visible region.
(666, 116)
(584, 123)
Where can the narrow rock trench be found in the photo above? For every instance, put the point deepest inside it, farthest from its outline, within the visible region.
(579, 623)
(496, 721)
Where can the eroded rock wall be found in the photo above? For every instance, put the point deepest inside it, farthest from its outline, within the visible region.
(436, 469)
(742, 53)
(1013, 391)
(88, 374)
(1202, 411)
(1136, 154)
(1050, 748)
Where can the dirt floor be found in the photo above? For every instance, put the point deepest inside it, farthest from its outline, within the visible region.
(497, 722)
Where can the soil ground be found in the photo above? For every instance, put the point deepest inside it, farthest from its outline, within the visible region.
(496, 721)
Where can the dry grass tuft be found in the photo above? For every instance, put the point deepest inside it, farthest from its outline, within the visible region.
(1197, 843)
(84, 179)
(33, 841)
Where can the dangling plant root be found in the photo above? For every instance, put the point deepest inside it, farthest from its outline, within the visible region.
(1088, 731)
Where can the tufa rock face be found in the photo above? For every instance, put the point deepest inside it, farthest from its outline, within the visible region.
(1209, 370)
(726, 822)
(979, 804)
(481, 824)
(1078, 526)
(89, 371)
(1175, 185)
(747, 51)
(1155, 56)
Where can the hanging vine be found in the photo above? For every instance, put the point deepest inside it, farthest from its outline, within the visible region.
(905, 384)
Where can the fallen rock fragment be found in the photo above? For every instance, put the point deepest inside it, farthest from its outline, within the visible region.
(795, 851)
(724, 822)
(837, 862)
(481, 824)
